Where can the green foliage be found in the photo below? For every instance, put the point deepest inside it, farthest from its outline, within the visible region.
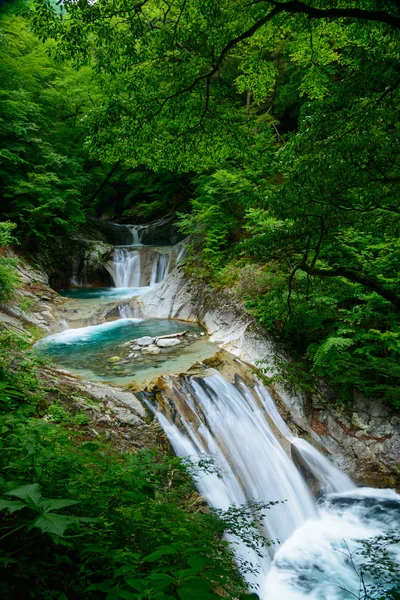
(80, 518)
(215, 211)
(8, 279)
(47, 180)
(378, 560)
(376, 566)
(47, 520)
(290, 123)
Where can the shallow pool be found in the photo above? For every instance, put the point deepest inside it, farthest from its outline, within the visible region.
(87, 350)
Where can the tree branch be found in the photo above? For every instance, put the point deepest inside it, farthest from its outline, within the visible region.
(323, 13)
(356, 277)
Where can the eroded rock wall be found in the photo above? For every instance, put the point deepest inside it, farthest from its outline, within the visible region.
(363, 442)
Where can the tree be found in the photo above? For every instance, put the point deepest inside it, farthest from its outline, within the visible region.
(299, 98)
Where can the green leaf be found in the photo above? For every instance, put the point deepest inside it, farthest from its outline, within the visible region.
(30, 493)
(161, 552)
(57, 504)
(11, 505)
(197, 562)
(136, 584)
(193, 593)
(126, 595)
(200, 583)
(53, 524)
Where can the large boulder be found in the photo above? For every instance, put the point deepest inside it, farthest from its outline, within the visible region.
(151, 350)
(168, 342)
(144, 341)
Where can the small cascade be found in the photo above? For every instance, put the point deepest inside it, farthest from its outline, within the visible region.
(160, 268)
(181, 250)
(74, 278)
(228, 423)
(331, 479)
(137, 232)
(140, 266)
(240, 429)
(125, 311)
(63, 324)
(127, 267)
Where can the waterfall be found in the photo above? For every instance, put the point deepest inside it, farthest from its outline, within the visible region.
(137, 232)
(240, 428)
(228, 423)
(181, 250)
(125, 311)
(127, 267)
(331, 479)
(160, 268)
(75, 267)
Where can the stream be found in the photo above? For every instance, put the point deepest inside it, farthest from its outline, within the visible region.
(316, 530)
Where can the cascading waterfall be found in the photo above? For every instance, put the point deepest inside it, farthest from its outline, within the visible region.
(330, 479)
(140, 265)
(160, 268)
(181, 250)
(125, 311)
(127, 267)
(137, 232)
(242, 431)
(240, 428)
(129, 271)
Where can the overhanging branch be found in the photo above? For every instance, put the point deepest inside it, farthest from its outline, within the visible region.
(380, 16)
(356, 277)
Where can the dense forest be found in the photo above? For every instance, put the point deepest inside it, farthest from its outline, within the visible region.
(270, 130)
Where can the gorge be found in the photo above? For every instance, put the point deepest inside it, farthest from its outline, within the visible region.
(216, 408)
(199, 300)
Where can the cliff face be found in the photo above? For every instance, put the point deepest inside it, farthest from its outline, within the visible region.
(364, 442)
(34, 304)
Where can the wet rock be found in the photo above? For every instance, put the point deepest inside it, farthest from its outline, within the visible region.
(168, 342)
(114, 359)
(134, 347)
(144, 341)
(151, 350)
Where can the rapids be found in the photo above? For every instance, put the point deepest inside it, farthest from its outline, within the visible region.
(240, 429)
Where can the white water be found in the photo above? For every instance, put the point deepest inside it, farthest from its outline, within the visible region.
(331, 479)
(125, 311)
(160, 268)
(129, 272)
(127, 268)
(236, 428)
(78, 334)
(181, 250)
(137, 232)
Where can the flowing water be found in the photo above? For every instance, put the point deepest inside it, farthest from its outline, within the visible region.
(320, 516)
(135, 268)
(86, 351)
(160, 268)
(242, 431)
(127, 268)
